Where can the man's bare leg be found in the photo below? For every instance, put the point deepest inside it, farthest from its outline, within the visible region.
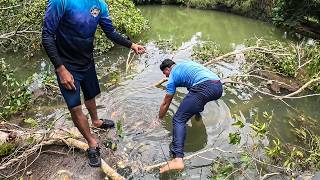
(81, 122)
(92, 108)
(175, 164)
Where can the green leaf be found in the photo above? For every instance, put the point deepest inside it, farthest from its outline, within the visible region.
(238, 123)
(234, 138)
(31, 122)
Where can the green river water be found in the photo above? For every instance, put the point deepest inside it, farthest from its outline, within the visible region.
(137, 105)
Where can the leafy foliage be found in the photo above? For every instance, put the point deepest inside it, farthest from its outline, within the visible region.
(255, 8)
(32, 122)
(292, 13)
(119, 128)
(234, 138)
(206, 51)
(14, 94)
(6, 149)
(21, 16)
(293, 157)
(21, 23)
(282, 61)
(126, 17)
(275, 151)
(300, 61)
(221, 168)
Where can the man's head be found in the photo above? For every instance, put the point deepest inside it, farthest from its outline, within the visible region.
(166, 66)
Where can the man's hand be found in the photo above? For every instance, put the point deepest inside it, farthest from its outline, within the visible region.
(66, 78)
(138, 49)
(155, 123)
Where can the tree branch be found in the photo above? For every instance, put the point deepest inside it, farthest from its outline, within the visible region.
(301, 89)
(9, 7)
(148, 168)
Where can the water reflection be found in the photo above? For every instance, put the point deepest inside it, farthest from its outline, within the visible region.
(196, 136)
(180, 24)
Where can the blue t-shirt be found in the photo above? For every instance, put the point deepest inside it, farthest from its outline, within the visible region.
(187, 74)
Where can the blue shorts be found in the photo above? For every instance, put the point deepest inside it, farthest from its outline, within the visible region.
(87, 80)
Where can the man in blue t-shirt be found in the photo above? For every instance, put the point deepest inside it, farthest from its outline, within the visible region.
(203, 86)
(68, 33)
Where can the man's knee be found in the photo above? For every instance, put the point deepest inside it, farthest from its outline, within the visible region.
(76, 112)
(178, 118)
(90, 100)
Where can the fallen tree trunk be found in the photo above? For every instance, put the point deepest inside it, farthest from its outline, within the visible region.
(42, 138)
(104, 166)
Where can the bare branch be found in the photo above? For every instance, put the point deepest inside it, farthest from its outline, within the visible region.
(148, 168)
(9, 7)
(266, 176)
(301, 89)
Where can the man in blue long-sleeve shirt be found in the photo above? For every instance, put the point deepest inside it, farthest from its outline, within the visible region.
(67, 36)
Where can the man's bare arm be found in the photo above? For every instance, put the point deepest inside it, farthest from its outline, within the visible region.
(165, 105)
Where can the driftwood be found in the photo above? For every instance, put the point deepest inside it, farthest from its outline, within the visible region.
(160, 82)
(278, 82)
(42, 138)
(301, 89)
(148, 168)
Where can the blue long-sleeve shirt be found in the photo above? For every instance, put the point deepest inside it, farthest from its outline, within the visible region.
(69, 28)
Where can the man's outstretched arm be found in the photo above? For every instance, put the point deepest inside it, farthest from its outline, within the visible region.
(165, 105)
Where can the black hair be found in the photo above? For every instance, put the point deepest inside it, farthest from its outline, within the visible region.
(166, 63)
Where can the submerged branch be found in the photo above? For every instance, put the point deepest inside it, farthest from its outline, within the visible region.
(301, 89)
(253, 48)
(266, 176)
(148, 168)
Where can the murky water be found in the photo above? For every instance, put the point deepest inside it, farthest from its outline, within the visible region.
(135, 103)
(181, 24)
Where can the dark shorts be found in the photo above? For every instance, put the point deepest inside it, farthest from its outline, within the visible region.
(87, 80)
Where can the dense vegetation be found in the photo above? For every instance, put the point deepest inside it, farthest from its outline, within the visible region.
(302, 16)
(292, 61)
(21, 23)
(297, 61)
(280, 159)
